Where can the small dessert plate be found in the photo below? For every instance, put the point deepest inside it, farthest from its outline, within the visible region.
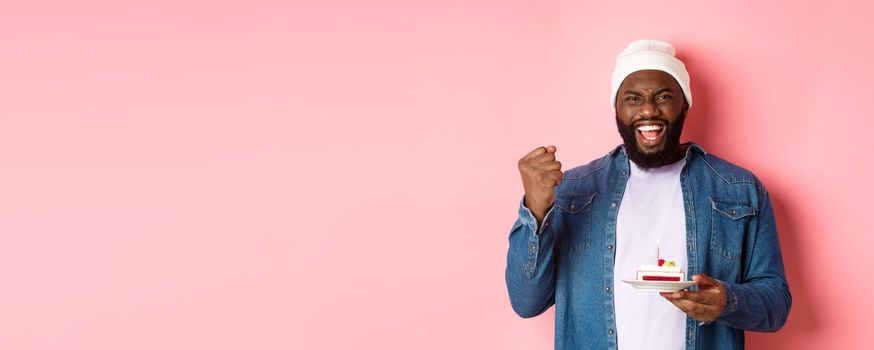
(660, 286)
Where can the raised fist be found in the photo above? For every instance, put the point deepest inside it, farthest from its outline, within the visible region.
(540, 174)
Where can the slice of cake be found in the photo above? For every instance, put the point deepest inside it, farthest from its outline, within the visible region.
(664, 271)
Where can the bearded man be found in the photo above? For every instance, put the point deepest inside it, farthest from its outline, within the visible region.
(581, 232)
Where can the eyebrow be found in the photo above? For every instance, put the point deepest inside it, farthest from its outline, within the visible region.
(664, 89)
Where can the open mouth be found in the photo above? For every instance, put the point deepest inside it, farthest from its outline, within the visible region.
(650, 134)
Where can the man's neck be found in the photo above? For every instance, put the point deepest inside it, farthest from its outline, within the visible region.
(679, 153)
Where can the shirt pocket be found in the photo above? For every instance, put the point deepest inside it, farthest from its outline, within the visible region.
(729, 220)
(573, 224)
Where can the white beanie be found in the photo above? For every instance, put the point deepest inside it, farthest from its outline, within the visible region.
(650, 54)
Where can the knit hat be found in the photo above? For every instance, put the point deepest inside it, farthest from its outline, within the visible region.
(650, 54)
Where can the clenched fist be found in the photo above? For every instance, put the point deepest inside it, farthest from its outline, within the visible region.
(540, 174)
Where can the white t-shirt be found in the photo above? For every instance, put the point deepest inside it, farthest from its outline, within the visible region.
(651, 211)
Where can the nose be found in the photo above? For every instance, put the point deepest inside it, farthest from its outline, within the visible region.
(648, 109)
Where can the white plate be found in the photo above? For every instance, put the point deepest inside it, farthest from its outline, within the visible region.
(660, 286)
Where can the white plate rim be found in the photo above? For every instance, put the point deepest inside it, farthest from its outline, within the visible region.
(660, 286)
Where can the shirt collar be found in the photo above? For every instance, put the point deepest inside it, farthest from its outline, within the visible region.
(693, 147)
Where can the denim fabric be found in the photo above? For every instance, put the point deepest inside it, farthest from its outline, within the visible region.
(568, 261)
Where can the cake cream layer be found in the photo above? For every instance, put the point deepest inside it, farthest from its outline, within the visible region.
(659, 268)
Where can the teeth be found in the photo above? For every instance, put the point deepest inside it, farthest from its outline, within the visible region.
(649, 127)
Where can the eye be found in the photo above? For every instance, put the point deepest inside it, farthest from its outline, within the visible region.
(632, 99)
(664, 98)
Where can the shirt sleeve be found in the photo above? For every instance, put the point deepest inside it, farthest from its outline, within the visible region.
(530, 264)
(761, 301)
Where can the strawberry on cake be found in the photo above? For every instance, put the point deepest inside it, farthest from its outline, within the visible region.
(665, 271)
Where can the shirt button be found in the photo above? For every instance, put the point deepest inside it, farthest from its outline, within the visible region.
(608, 289)
(613, 205)
(609, 247)
(610, 331)
(533, 248)
(572, 206)
(623, 172)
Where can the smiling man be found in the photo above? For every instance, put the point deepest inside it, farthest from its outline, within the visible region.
(581, 232)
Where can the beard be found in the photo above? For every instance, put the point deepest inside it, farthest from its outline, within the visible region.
(660, 157)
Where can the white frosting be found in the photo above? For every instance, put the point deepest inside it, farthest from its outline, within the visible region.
(656, 268)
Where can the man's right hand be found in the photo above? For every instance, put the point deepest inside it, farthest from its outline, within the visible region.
(540, 174)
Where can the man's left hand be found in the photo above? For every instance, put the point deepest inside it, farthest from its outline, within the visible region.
(705, 304)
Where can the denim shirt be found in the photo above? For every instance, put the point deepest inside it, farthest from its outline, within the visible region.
(568, 261)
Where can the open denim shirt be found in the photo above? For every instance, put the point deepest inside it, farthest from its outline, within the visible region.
(568, 261)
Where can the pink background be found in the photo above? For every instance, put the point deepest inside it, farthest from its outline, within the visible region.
(342, 174)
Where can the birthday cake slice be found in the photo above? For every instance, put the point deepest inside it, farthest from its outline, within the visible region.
(665, 271)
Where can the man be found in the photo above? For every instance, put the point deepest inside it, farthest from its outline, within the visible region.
(579, 233)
